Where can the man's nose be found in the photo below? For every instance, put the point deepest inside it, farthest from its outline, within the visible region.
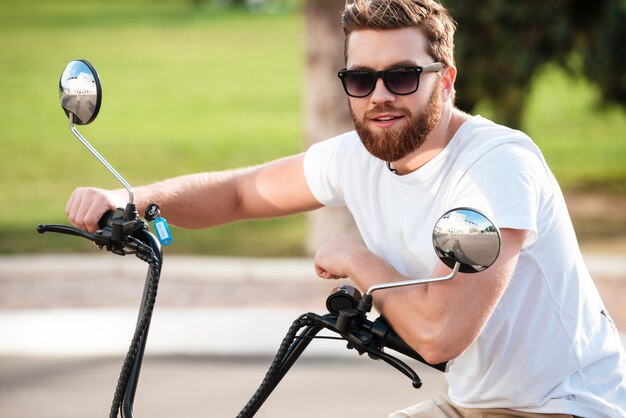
(381, 94)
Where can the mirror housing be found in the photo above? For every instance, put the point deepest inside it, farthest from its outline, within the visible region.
(80, 92)
(468, 237)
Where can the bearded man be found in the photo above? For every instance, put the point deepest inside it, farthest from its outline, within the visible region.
(528, 337)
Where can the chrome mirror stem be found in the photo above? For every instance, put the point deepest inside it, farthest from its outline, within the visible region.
(131, 195)
(412, 282)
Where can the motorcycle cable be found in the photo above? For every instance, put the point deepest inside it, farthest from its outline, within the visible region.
(121, 389)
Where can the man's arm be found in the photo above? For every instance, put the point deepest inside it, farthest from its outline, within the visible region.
(439, 320)
(207, 199)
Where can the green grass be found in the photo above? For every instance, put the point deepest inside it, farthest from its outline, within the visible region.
(183, 90)
(203, 89)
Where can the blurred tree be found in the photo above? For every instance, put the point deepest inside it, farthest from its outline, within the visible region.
(605, 62)
(501, 45)
(326, 110)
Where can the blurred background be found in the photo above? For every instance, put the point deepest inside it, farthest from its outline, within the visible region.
(209, 85)
(194, 85)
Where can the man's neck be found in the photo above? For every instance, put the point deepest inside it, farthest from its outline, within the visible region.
(451, 120)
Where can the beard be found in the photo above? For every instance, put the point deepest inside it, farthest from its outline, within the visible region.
(395, 143)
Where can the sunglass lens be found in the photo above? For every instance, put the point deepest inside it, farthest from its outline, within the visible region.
(359, 83)
(402, 80)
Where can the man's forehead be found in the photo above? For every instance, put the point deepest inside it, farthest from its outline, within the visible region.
(375, 48)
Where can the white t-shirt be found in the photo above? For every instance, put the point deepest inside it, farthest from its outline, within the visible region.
(547, 347)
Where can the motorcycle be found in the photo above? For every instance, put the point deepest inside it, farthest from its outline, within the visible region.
(463, 239)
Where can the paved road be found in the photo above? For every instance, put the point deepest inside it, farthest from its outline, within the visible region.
(192, 386)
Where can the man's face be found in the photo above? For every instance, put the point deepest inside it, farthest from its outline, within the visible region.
(393, 126)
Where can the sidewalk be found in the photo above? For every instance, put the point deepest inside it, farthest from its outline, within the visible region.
(85, 305)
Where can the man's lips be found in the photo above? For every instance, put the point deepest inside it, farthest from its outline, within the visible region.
(385, 120)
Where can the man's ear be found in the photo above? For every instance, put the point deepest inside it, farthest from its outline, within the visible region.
(447, 83)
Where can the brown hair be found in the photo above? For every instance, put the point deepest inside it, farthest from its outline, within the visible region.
(428, 15)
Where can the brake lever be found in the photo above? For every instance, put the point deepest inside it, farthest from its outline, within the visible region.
(98, 238)
(102, 238)
(65, 229)
(379, 354)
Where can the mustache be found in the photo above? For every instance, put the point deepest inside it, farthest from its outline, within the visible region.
(386, 108)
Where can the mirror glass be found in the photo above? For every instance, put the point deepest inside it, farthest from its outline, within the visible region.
(466, 236)
(80, 92)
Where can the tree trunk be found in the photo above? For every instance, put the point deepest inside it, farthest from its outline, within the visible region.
(326, 106)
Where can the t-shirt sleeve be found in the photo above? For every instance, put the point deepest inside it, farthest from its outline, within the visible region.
(506, 183)
(321, 170)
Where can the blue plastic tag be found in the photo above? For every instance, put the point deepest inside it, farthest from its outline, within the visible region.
(162, 231)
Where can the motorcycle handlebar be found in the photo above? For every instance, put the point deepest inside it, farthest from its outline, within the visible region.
(380, 334)
(116, 229)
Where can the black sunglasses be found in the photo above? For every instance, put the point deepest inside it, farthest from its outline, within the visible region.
(398, 80)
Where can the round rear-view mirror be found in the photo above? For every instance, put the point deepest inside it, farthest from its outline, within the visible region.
(468, 237)
(80, 92)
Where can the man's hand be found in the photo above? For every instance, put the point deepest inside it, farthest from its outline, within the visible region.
(87, 205)
(335, 258)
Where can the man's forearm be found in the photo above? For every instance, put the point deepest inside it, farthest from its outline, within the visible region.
(194, 201)
(203, 200)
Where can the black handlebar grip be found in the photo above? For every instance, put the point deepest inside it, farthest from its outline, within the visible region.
(106, 219)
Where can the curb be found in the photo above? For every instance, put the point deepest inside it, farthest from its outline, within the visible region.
(106, 332)
(189, 267)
